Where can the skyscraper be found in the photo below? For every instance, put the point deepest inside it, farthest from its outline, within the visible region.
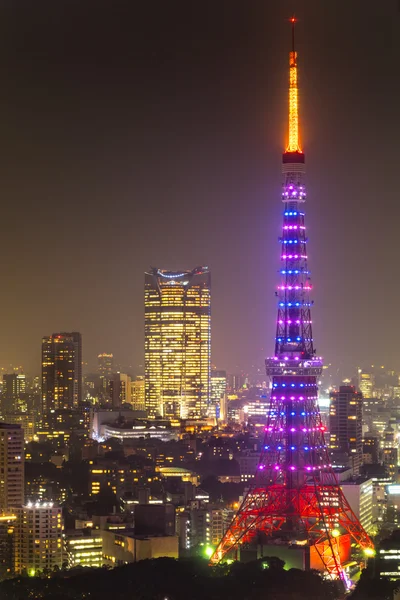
(366, 384)
(217, 392)
(105, 364)
(120, 389)
(14, 389)
(12, 476)
(61, 371)
(137, 393)
(345, 424)
(177, 342)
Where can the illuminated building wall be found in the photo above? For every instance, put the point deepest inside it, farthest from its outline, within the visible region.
(83, 550)
(359, 494)
(61, 371)
(138, 393)
(217, 392)
(7, 525)
(177, 342)
(14, 392)
(366, 384)
(38, 538)
(11, 466)
(345, 424)
(27, 421)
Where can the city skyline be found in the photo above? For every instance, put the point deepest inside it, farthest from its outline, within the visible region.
(79, 124)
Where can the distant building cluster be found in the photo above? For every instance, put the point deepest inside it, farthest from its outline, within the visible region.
(108, 467)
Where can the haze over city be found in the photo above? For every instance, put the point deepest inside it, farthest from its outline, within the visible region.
(181, 182)
(138, 137)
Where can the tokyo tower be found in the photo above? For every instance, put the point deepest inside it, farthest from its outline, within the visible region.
(295, 498)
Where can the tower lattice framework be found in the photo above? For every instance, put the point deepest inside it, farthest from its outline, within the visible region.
(295, 495)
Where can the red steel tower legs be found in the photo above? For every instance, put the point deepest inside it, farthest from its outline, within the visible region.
(295, 495)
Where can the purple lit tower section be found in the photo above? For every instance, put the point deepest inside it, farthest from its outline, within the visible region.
(295, 496)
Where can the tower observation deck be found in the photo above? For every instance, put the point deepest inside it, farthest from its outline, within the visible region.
(295, 496)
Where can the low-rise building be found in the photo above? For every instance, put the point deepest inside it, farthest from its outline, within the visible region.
(123, 547)
(83, 549)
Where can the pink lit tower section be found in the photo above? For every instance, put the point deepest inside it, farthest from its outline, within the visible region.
(295, 497)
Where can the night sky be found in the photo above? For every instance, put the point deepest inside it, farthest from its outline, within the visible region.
(149, 133)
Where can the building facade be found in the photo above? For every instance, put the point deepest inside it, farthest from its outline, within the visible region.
(11, 466)
(61, 371)
(83, 549)
(14, 392)
(38, 538)
(120, 389)
(7, 530)
(345, 424)
(137, 393)
(105, 364)
(359, 494)
(177, 342)
(217, 392)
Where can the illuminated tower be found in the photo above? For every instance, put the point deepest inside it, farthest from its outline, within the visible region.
(177, 342)
(295, 495)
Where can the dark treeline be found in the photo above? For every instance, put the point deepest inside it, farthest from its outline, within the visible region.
(171, 579)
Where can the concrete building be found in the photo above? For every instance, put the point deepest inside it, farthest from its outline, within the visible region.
(138, 393)
(14, 392)
(366, 384)
(7, 532)
(194, 527)
(345, 424)
(359, 494)
(38, 538)
(11, 466)
(154, 519)
(61, 371)
(123, 546)
(105, 364)
(387, 559)
(217, 392)
(120, 385)
(248, 462)
(83, 549)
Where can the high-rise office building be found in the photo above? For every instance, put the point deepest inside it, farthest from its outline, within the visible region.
(217, 392)
(345, 424)
(366, 384)
(14, 385)
(14, 392)
(61, 371)
(177, 342)
(11, 466)
(105, 364)
(38, 538)
(137, 393)
(120, 389)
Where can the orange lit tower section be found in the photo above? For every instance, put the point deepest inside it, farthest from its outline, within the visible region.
(293, 141)
(295, 500)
